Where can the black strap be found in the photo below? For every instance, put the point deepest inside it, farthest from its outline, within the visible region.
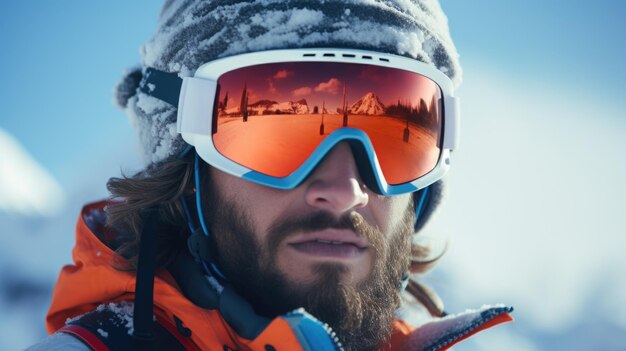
(161, 85)
(144, 286)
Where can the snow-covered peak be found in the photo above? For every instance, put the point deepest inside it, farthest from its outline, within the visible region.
(26, 187)
(264, 107)
(369, 104)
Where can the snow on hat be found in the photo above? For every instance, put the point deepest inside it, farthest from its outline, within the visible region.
(193, 32)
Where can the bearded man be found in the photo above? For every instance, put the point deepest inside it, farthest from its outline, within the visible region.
(295, 149)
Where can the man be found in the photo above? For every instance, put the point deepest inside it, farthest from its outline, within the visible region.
(295, 148)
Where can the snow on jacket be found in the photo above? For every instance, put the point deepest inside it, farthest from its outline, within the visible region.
(91, 283)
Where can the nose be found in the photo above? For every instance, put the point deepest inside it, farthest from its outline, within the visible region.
(335, 184)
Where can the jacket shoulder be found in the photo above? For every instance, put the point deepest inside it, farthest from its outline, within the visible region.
(110, 327)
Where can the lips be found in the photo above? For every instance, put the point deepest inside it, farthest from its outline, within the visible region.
(330, 243)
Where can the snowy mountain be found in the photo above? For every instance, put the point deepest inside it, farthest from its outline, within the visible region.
(26, 187)
(263, 104)
(37, 240)
(368, 105)
(297, 107)
(270, 107)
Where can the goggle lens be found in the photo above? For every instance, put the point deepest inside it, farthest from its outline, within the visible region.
(271, 117)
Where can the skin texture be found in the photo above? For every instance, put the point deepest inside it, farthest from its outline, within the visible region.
(255, 228)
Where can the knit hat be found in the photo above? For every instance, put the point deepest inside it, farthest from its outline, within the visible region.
(193, 32)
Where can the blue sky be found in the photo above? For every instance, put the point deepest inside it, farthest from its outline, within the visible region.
(575, 43)
(59, 63)
(535, 215)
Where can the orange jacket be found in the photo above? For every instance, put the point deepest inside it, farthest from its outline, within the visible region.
(91, 281)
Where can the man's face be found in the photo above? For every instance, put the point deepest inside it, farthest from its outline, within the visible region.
(330, 245)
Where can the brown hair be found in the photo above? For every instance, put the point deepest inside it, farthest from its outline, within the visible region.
(161, 187)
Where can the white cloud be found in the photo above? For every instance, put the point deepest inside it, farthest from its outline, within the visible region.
(302, 91)
(331, 86)
(25, 186)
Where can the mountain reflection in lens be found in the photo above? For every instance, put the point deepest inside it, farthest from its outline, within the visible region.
(271, 117)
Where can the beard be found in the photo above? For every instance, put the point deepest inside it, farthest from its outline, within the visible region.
(361, 314)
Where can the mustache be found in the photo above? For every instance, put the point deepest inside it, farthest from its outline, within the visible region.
(321, 220)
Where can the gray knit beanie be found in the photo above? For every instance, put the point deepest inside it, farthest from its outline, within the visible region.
(193, 32)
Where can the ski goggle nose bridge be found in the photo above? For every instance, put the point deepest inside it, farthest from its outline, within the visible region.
(273, 122)
(368, 167)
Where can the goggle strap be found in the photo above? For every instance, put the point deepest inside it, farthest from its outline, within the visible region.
(420, 198)
(164, 86)
(196, 173)
(185, 151)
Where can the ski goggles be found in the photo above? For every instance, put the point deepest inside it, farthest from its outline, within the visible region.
(270, 117)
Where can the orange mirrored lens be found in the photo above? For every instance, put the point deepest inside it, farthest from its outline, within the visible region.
(271, 117)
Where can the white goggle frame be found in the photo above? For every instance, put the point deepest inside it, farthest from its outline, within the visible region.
(196, 111)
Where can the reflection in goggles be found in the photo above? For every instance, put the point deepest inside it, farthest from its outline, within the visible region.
(270, 118)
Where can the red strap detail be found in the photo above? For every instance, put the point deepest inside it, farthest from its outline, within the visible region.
(187, 343)
(86, 336)
(502, 318)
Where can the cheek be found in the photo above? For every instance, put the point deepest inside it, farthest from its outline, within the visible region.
(390, 211)
(256, 202)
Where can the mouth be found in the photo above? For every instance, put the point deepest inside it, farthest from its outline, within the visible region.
(339, 244)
